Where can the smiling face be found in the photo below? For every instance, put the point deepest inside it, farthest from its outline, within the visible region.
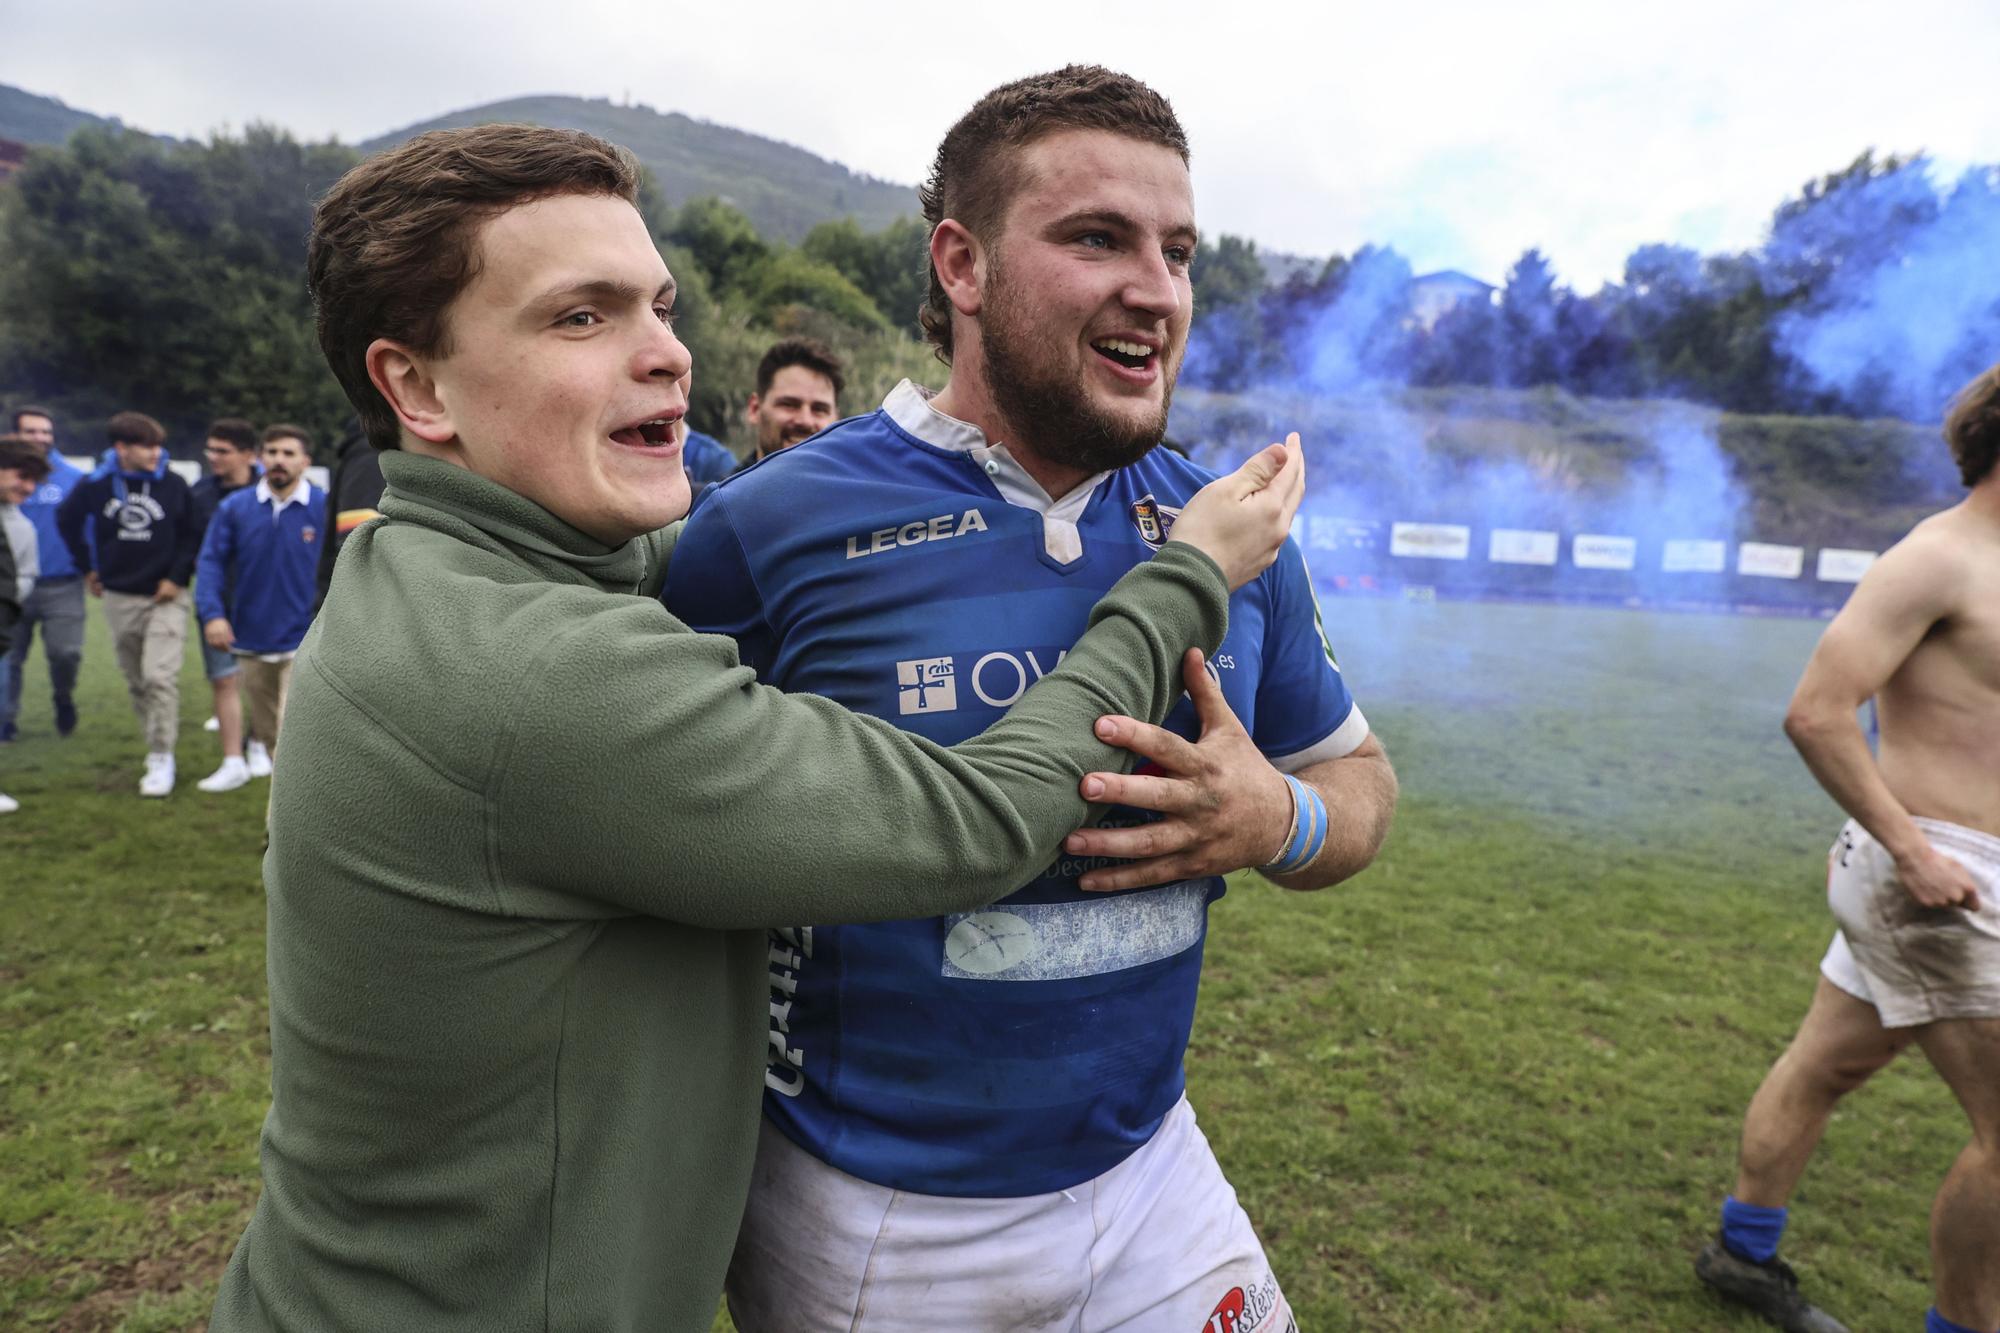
(37, 430)
(1085, 302)
(563, 382)
(799, 404)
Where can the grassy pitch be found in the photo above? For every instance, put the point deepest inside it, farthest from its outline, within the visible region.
(1493, 1083)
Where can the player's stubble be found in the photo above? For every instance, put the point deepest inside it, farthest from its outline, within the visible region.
(1031, 382)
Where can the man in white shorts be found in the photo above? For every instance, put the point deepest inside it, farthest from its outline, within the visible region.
(1914, 883)
(976, 1121)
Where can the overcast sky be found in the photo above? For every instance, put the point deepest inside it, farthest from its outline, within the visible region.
(1460, 133)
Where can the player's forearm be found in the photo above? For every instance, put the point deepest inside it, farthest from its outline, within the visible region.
(1829, 739)
(1360, 794)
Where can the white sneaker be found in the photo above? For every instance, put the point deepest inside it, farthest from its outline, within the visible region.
(213, 724)
(8, 805)
(258, 758)
(159, 779)
(233, 774)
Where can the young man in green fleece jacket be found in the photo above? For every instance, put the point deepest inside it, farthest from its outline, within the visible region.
(527, 828)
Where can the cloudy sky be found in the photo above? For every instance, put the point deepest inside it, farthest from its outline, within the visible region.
(1461, 132)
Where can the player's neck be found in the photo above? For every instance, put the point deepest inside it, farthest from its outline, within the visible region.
(965, 398)
(281, 494)
(1984, 499)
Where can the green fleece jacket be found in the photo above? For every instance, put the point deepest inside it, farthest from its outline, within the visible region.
(527, 830)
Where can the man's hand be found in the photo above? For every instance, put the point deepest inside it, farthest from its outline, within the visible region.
(1239, 521)
(93, 584)
(1936, 880)
(167, 591)
(1225, 806)
(218, 634)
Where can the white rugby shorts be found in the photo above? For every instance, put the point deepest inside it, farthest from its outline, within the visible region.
(1915, 964)
(1157, 1244)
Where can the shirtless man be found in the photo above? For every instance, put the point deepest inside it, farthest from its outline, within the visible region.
(1914, 882)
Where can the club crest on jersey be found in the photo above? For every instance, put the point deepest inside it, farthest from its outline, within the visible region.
(1155, 520)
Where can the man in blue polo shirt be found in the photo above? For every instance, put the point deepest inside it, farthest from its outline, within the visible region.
(56, 604)
(977, 1121)
(255, 584)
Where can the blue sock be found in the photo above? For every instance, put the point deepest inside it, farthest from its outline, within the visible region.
(1750, 1232)
(1937, 1323)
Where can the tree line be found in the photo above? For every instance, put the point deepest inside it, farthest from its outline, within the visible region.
(169, 277)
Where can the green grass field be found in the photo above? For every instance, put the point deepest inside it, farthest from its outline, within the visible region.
(1493, 1083)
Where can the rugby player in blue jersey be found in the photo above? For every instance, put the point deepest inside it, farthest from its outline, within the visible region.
(977, 1121)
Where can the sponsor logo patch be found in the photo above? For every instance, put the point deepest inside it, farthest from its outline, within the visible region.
(926, 685)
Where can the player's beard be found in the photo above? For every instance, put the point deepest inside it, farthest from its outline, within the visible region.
(1041, 394)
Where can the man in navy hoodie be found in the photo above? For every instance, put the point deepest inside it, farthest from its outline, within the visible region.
(132, 533)
(256, 585)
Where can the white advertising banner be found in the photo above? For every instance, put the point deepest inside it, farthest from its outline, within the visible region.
(1839, 565)
(1522, 546)
(1430, 541)
(1690, 555)
(1765, 561)
(1329, 533)
(1596, 551)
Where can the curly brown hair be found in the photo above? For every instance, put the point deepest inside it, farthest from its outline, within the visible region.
(977, 171)
(1972, 428)
(393, 243)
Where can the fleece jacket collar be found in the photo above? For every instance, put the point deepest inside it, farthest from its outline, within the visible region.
(464, 504)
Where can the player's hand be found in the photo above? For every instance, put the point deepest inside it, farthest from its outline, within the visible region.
(167, 591)
(93, 584)
(219, 634)
(1936, 880)
(1225, 806)
(1241, 520)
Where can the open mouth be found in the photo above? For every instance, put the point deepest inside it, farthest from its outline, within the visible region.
(1129, 355)
(646, 434)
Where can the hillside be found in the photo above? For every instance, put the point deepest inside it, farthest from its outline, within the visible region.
(33, 119)
(785, 191)
(1544, 458)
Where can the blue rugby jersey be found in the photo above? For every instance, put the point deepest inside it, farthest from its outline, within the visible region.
(898, 564)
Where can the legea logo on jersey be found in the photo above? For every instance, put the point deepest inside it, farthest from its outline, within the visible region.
(926, 685)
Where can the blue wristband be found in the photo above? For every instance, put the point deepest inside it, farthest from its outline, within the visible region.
(1309, 830)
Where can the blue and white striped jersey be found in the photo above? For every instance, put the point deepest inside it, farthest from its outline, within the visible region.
(901, 565)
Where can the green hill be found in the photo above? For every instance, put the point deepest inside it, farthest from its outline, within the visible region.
(785, 191)
(31, 118)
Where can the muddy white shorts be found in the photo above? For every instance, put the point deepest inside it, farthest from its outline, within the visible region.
(1915, 964)
(1157, 1244)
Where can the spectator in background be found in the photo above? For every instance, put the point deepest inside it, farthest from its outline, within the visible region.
(257, 570)
(132, 535)
(352, 492)
(22, 468)
(231, 454)
(798, 394)
(57, 601)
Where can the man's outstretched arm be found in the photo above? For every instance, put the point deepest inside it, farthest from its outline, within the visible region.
(1912, 587)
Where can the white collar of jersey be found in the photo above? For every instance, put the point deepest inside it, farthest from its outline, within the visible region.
(909, 406)
(300, 494)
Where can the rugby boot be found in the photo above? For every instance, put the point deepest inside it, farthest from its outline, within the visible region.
(1770, 1288)
(65, 717)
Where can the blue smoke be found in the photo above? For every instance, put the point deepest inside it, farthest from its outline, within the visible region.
(1898, 326)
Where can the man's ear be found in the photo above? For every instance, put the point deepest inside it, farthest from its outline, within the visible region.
(404, 380)
(752, 408)
(958, 258)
